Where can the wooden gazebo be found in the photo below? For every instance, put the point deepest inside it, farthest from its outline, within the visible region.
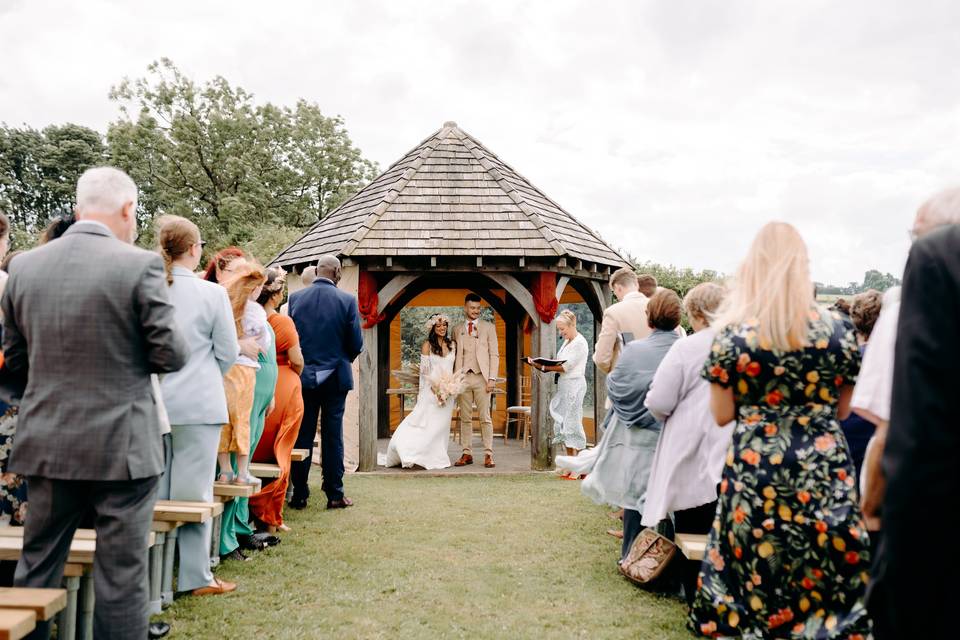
(451, 214)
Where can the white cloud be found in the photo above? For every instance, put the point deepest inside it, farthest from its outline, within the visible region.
(675, 129)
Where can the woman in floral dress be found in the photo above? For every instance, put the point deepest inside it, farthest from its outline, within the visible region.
(787, 556)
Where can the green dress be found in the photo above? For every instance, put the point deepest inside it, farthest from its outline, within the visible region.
(236, 513)
(787, 556)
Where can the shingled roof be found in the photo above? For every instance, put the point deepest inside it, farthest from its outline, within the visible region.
(450, 195)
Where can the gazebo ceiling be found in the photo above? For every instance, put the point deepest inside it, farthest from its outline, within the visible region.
(451, 196)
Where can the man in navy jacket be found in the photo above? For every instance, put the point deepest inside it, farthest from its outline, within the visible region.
(328, 322)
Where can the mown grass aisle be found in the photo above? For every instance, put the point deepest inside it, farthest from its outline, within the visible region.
(495, 557)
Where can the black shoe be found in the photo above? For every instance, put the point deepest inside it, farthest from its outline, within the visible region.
(298, 503)
(250, 543)
(236, 554)
(265, 539)
(157, 630)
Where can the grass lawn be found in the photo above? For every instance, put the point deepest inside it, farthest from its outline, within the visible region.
(418, 557)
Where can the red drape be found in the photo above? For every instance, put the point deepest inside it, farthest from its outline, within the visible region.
(368, 300)
(544, 290)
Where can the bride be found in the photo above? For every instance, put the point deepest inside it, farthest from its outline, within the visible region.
(421, 439)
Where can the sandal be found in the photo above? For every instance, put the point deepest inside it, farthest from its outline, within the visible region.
(225, 477)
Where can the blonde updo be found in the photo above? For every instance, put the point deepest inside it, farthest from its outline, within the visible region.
(176, 236)
(566, 316)
(703, 301)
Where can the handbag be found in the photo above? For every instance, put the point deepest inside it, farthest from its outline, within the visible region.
(649, 556)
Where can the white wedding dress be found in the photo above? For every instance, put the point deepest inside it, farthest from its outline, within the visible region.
(422, 437)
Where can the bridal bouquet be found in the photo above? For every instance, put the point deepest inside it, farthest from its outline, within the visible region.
(446, 385)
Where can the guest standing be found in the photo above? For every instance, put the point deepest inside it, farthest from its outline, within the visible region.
(328, 323)
(923, 442)
(864, 311)
(13, 488)
(787, 555)
(691, 451)
(80, 447)
(220, 262)
(283, 423)
(625, 318)
(566, 407)
(194, 396)
(622, 468)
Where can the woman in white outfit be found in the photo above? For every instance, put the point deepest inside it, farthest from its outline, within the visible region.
(692, 449)
(421, 439)
(566, 407)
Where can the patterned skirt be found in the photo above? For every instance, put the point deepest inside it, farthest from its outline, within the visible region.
(788, 553)
(566, 409)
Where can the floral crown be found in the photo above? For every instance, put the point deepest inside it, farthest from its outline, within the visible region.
(434, 319)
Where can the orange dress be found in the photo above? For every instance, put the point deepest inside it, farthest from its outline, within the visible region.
(281, 427)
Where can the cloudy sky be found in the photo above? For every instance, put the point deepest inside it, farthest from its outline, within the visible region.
(674, 128)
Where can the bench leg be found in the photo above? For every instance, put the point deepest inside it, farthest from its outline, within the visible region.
(169, 550)
(156, 574)
(67, 619)
(215, 541)
(85, 620)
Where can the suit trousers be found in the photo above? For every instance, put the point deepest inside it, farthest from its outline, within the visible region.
(475, 393)
(324, 404)
(123, 511)
(189, 476)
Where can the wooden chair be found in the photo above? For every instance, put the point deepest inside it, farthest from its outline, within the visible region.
(521, 413)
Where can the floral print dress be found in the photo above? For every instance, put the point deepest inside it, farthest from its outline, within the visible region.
(787, 556)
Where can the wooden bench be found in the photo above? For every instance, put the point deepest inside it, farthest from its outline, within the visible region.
(168, 517)
(264, 470)
(299, 455)
(224, 492)
(76, 619)
(16, 623)
(691, 545)
(43, 603)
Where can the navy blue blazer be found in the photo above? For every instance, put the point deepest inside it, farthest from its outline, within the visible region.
(328, 323)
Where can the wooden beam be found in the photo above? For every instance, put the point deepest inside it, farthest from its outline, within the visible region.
(433, 261)
(389, 261)
(369, 400)
(544, 344)
(522, 262)
(562, 283)
(517, 290)
(392, 289)
(479, 261)
(348, 262)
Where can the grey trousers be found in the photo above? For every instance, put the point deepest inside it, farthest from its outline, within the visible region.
(189, 476)
(123, 511)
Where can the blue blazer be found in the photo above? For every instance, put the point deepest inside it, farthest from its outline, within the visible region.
(328, 323)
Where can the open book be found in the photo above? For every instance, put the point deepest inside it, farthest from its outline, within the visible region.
(546, 362)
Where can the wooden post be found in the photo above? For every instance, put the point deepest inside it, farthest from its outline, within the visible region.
(369, 399)
(544, 344)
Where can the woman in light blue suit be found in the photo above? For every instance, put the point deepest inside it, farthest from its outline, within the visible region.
(194, 396)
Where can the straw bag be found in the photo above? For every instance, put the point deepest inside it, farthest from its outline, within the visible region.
(649, 556)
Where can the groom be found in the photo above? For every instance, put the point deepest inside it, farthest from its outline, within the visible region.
(479, 359)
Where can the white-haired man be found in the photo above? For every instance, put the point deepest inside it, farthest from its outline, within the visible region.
(872, 399)
(87, 321)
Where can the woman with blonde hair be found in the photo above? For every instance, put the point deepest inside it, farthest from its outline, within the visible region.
(566, 407)
(194, 396)
(787, 555)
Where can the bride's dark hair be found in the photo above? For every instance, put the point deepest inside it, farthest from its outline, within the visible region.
(435, 346)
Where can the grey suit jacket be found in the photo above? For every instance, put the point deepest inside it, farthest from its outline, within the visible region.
(87, 319)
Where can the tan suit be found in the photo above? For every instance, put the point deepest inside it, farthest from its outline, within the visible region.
(478, 356)
(627, 316)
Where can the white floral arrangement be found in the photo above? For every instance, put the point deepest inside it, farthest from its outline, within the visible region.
(446, 385)
(434, 319)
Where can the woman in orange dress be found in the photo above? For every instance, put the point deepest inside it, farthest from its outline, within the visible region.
(283, 423)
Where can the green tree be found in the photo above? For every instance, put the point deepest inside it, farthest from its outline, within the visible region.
(680, 279)
(235, 167)
(873, 279)
(39, 171)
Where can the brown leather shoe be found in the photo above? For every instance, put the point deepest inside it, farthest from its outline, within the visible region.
(616, 533)
(488, 461)
(216, 588)
(464, 460)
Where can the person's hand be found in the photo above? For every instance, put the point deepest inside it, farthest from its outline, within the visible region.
(249, 348)
(491, 385)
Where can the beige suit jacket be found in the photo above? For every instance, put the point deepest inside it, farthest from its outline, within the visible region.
(630, 316)
(488, 349)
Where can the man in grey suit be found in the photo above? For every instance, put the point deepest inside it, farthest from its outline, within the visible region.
(87, 320)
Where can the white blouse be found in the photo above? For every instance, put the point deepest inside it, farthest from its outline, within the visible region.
(575, 352)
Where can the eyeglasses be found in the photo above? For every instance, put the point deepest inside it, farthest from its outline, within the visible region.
(202, 243)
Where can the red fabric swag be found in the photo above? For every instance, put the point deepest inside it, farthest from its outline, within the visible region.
(367, 300)
(544, 292)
